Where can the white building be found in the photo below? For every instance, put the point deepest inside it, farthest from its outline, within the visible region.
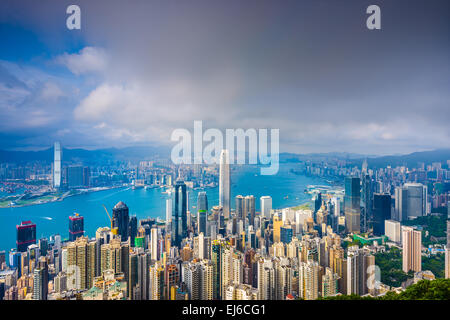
(224, 182)
(308, 277)
(266, 206)
(392, 230)
(154, 243)
(57, 166)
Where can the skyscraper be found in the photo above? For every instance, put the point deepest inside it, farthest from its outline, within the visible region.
(329, 283)
(381, 212)
(411, 201)
(358, 262)
(80, 263)
(133, 273)
(352, 206)
(317, 202)
(277, 223)
(191, 277)
(76, 226)
(206, 280)
(143, 275)
(217, 249)
(308, 277)
(266, 207)
(202, 213)
(224, 183)
(132, 229)
(26, 235)
(121, 220)
(202, 201)
(57, 166)
(40, 281)
(180, 213)
(286, 233)
(169, 209)
(412, 249)
(249, 208)
(154, 243)
(366, 201)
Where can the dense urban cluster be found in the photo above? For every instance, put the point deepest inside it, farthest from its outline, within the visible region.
(322, 250)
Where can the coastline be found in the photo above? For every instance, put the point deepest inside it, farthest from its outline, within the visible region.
(38, 201)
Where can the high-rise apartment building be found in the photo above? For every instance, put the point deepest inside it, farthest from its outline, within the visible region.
(359, 263)
(412, 249)
(393, 230)
(308, 280)
(329, 283)
(40, 280)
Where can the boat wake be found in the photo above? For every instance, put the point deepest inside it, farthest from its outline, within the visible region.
(109, 195)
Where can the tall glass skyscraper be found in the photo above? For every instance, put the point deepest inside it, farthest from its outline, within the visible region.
(202, 201)
(133, 225)
(121, 220)
(381, 212)
(76, 227)
(26, 235)
(180, 212)
(202, 207)
(352, 205)
(366, 201)
(411, 201)
(57, 166)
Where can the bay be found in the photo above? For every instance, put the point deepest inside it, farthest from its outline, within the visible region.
(285, 188)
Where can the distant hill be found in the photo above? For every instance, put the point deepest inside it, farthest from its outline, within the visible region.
(295, 157)
(151, 152)
(86, 156)
(410, 160)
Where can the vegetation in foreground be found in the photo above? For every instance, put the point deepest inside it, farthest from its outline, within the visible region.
(438, 289)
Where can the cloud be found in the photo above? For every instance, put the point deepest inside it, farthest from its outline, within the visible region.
(88, 60)
(325, 81)
(51, 91)
(34, 105)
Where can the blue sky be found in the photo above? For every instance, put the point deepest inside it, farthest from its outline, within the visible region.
(135, 72)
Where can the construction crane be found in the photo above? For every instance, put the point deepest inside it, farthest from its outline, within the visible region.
(113, 230)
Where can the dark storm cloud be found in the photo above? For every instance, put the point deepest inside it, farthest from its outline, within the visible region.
(310, 68)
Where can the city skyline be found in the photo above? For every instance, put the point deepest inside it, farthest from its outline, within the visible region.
(331, 246)
(224, 150)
